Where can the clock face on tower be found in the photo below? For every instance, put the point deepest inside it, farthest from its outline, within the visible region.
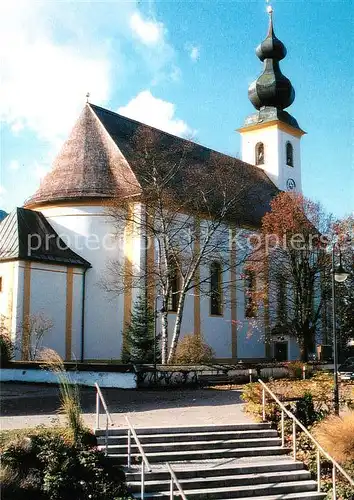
(290, 184)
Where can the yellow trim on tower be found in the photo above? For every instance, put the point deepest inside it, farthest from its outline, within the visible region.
(197, 328)
(273, 124)
(26, 311)
(69, 312)
(233, 272)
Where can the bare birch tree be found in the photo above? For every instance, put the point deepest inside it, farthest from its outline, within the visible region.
(186, 202)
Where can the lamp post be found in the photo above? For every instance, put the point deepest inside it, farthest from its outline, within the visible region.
(340, 275)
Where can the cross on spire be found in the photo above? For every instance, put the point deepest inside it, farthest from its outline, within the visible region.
(269, 8)
(87, 96)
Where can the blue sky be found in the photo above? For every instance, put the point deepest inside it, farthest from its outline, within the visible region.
(181, 66)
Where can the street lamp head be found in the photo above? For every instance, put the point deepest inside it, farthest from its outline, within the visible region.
(340, 274)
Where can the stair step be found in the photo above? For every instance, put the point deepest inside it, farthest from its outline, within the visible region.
(201, 455)
(241, 491)
(192, 436)
(186, 429)
(311, 495)
(212, 469)
(222, 481)
(195, 445)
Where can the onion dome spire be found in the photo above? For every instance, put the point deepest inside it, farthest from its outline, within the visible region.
(271, 88)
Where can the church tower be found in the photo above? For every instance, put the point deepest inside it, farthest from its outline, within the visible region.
(271, 136)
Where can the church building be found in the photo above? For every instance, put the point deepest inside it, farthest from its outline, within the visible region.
(54, 250)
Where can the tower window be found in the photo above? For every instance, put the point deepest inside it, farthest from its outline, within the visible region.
(259, 153)
(215, 289)
(289, 154)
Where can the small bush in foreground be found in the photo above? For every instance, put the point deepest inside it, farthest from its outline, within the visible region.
(192, 350)
(305, 411)
(295, 369)
(336, 435)
(6, 346)
(47, 467)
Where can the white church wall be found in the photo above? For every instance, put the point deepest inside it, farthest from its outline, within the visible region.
(48, 298)
(89, 233)
(217, 330)
(76, 314)
(250, 332)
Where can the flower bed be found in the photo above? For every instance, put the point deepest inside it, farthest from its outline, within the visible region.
(49, 465)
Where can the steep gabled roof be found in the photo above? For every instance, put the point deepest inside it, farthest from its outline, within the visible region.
(27, 235)
(88, 166)
(101, 159)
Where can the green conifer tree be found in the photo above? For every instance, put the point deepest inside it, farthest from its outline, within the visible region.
(138, 342)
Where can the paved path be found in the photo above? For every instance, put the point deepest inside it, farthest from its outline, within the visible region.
(28, 405)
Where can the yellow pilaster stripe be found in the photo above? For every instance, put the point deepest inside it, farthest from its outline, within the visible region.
(26, 311)
(197, 329)
(150, 264)
(128, 269)
(267, 313)
(233, 272)
(10, 304)
(69, 312)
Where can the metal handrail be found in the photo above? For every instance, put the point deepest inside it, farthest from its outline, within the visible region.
(174, 481)
(140, 448)
(99, 397)
(296, 422)
(144, 461)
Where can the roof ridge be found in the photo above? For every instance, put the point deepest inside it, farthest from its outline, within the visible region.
(176, 137)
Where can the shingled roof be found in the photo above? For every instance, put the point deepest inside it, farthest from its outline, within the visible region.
(100, 160)
(27, 235)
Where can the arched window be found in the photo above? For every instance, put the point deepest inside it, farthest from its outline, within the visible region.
(282, 310)
(289, 154)
(174, 290)
(215, 289)
(250, 289)
(259, 153)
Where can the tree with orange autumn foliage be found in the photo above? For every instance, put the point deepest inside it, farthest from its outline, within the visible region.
(292, 265)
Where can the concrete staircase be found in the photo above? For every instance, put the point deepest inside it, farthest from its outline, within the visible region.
(214, 462)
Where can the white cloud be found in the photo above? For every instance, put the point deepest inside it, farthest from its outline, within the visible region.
(155, 112)
(194, 53)
(149, 32)
(40, 171)
(43, 82)
(14, 165)
(17, 127)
